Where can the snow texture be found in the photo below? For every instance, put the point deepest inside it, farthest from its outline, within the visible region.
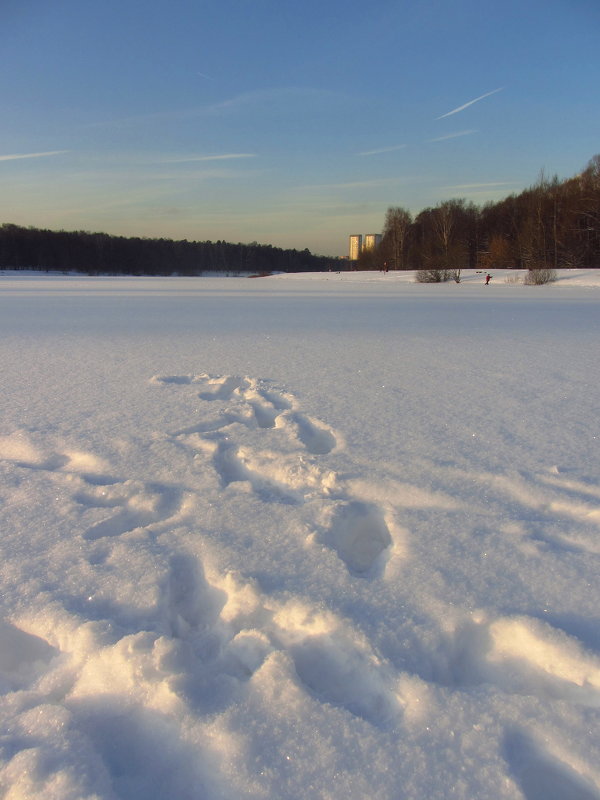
(317, 536)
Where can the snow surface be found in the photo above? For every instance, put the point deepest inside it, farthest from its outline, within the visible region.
(313, 536)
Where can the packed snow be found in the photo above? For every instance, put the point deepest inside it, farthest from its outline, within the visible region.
(311, 536)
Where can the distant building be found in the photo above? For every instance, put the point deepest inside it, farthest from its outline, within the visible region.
(355, 246)
(372, 240)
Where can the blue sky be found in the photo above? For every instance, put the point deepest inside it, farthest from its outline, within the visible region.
(289, 123)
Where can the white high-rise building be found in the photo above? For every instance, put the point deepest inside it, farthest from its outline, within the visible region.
(372, 240)
(355, 246)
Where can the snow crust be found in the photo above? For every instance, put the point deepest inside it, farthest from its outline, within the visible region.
(317, 536)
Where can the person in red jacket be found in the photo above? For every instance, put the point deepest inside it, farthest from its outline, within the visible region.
(488, 278)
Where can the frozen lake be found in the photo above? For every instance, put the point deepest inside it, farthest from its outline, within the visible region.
(313, 536)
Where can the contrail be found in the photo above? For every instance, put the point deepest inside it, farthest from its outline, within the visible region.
(452, 135)
(470, 103)
(222, 157)
(382, 150)
(32, 155)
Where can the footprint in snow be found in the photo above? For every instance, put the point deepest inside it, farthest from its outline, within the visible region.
(360, 536)
(267, 405)
(234, 464)
(222, 388)
(338, 673)
(265, 414)
(336, 664)
(522, 655)
(178, 380)
(23, 657)
(542, 775)
(192, 603)
(19, 449)
(314, 435)
(139, 507)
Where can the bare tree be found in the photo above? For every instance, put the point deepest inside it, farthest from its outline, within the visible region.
(444, 220)
(451, 231)
(396, 230)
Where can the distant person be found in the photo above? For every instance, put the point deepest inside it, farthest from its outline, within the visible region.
(488, 278)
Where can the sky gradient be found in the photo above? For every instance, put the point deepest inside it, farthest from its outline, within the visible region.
(287, 123)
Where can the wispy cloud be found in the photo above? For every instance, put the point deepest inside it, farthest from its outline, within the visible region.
(382, 150)
(452, 135)
(470, 103)
(293, 95)
(284, 97)
(218, 157)
(368, 184)
(17, 156)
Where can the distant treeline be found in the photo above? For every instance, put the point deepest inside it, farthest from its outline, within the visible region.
(100, 253)
(552, 224)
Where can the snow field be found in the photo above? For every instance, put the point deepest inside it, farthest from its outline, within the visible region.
(374, 574)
